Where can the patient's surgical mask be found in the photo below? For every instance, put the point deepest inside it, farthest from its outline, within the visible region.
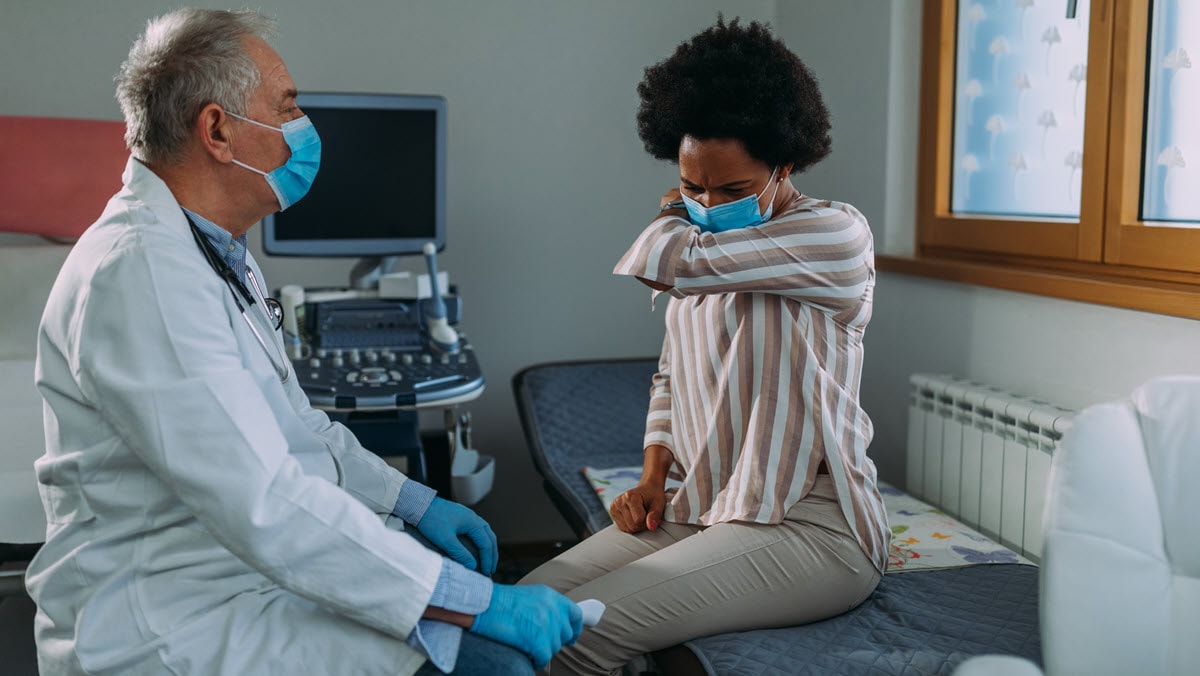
(740, 213)
(291, 181)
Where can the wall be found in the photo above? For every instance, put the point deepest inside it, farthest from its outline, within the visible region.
(548, 183)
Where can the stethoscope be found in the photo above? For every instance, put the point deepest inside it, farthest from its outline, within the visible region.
(272, 307)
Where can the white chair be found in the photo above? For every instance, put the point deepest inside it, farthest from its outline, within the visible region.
(1120, 581)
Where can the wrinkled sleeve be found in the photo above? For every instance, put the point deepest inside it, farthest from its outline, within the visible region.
(658, 418)
(823, 256)
(177, 392)
(364, 474)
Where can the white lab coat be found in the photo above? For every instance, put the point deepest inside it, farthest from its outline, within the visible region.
(203, 518)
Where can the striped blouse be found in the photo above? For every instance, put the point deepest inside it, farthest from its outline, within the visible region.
(759, 374)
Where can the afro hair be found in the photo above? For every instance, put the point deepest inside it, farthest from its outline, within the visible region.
(740, 83)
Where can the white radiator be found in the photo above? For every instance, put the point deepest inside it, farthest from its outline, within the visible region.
(982, 455)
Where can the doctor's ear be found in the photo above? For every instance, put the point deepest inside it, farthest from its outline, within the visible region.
(213, 127)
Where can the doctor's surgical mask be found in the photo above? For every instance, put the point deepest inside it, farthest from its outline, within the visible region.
(741, 213)
(291, 181)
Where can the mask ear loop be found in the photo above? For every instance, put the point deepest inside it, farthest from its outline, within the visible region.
(260, 172)
(771, 205)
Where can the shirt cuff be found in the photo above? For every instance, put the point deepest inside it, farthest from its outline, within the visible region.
(459, 590)
(413, 500)
(438, 641)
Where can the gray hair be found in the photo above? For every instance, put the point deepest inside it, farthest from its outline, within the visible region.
(184, 61)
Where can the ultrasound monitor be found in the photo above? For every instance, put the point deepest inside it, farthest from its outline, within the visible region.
(381, 188)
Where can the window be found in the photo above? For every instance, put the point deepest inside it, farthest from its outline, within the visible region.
(1060, 154)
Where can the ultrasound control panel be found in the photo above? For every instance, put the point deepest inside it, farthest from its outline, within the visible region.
(374, 354)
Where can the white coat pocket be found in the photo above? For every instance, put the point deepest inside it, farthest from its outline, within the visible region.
(61, 492)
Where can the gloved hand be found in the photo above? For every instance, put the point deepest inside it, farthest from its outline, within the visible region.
(532, 618)
(445, 522)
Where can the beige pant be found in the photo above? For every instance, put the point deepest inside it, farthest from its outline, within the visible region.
(683, 581)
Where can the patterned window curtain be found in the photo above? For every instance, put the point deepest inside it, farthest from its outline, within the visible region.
(1171, 162)
(1020, 86)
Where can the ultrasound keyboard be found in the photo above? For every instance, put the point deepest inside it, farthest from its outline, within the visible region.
(375, 356)
(381, 377)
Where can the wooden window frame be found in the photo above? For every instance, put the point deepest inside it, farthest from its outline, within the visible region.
(1108, 256)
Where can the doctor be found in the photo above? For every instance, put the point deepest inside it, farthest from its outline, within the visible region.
(202, 517)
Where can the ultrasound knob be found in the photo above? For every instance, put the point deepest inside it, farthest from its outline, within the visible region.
(337, 362)
(355, 357)
(407, 359)
(374, 375)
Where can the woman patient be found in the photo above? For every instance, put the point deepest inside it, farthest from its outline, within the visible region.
(777, 520)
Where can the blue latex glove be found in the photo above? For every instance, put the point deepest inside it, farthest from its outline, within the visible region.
(534, 619)
(444, 522)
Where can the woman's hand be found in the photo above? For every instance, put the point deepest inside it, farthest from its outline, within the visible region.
(639, 508)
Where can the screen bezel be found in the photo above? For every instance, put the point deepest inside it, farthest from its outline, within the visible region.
(332, 246)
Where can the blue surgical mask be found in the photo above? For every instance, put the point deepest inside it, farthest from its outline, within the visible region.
(741, 213)
(291, 181)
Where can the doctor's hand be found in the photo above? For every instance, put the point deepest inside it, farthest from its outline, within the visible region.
(639, 508)
(534, 619)
(445, 522)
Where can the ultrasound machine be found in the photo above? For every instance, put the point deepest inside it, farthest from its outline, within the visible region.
(374, 353)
